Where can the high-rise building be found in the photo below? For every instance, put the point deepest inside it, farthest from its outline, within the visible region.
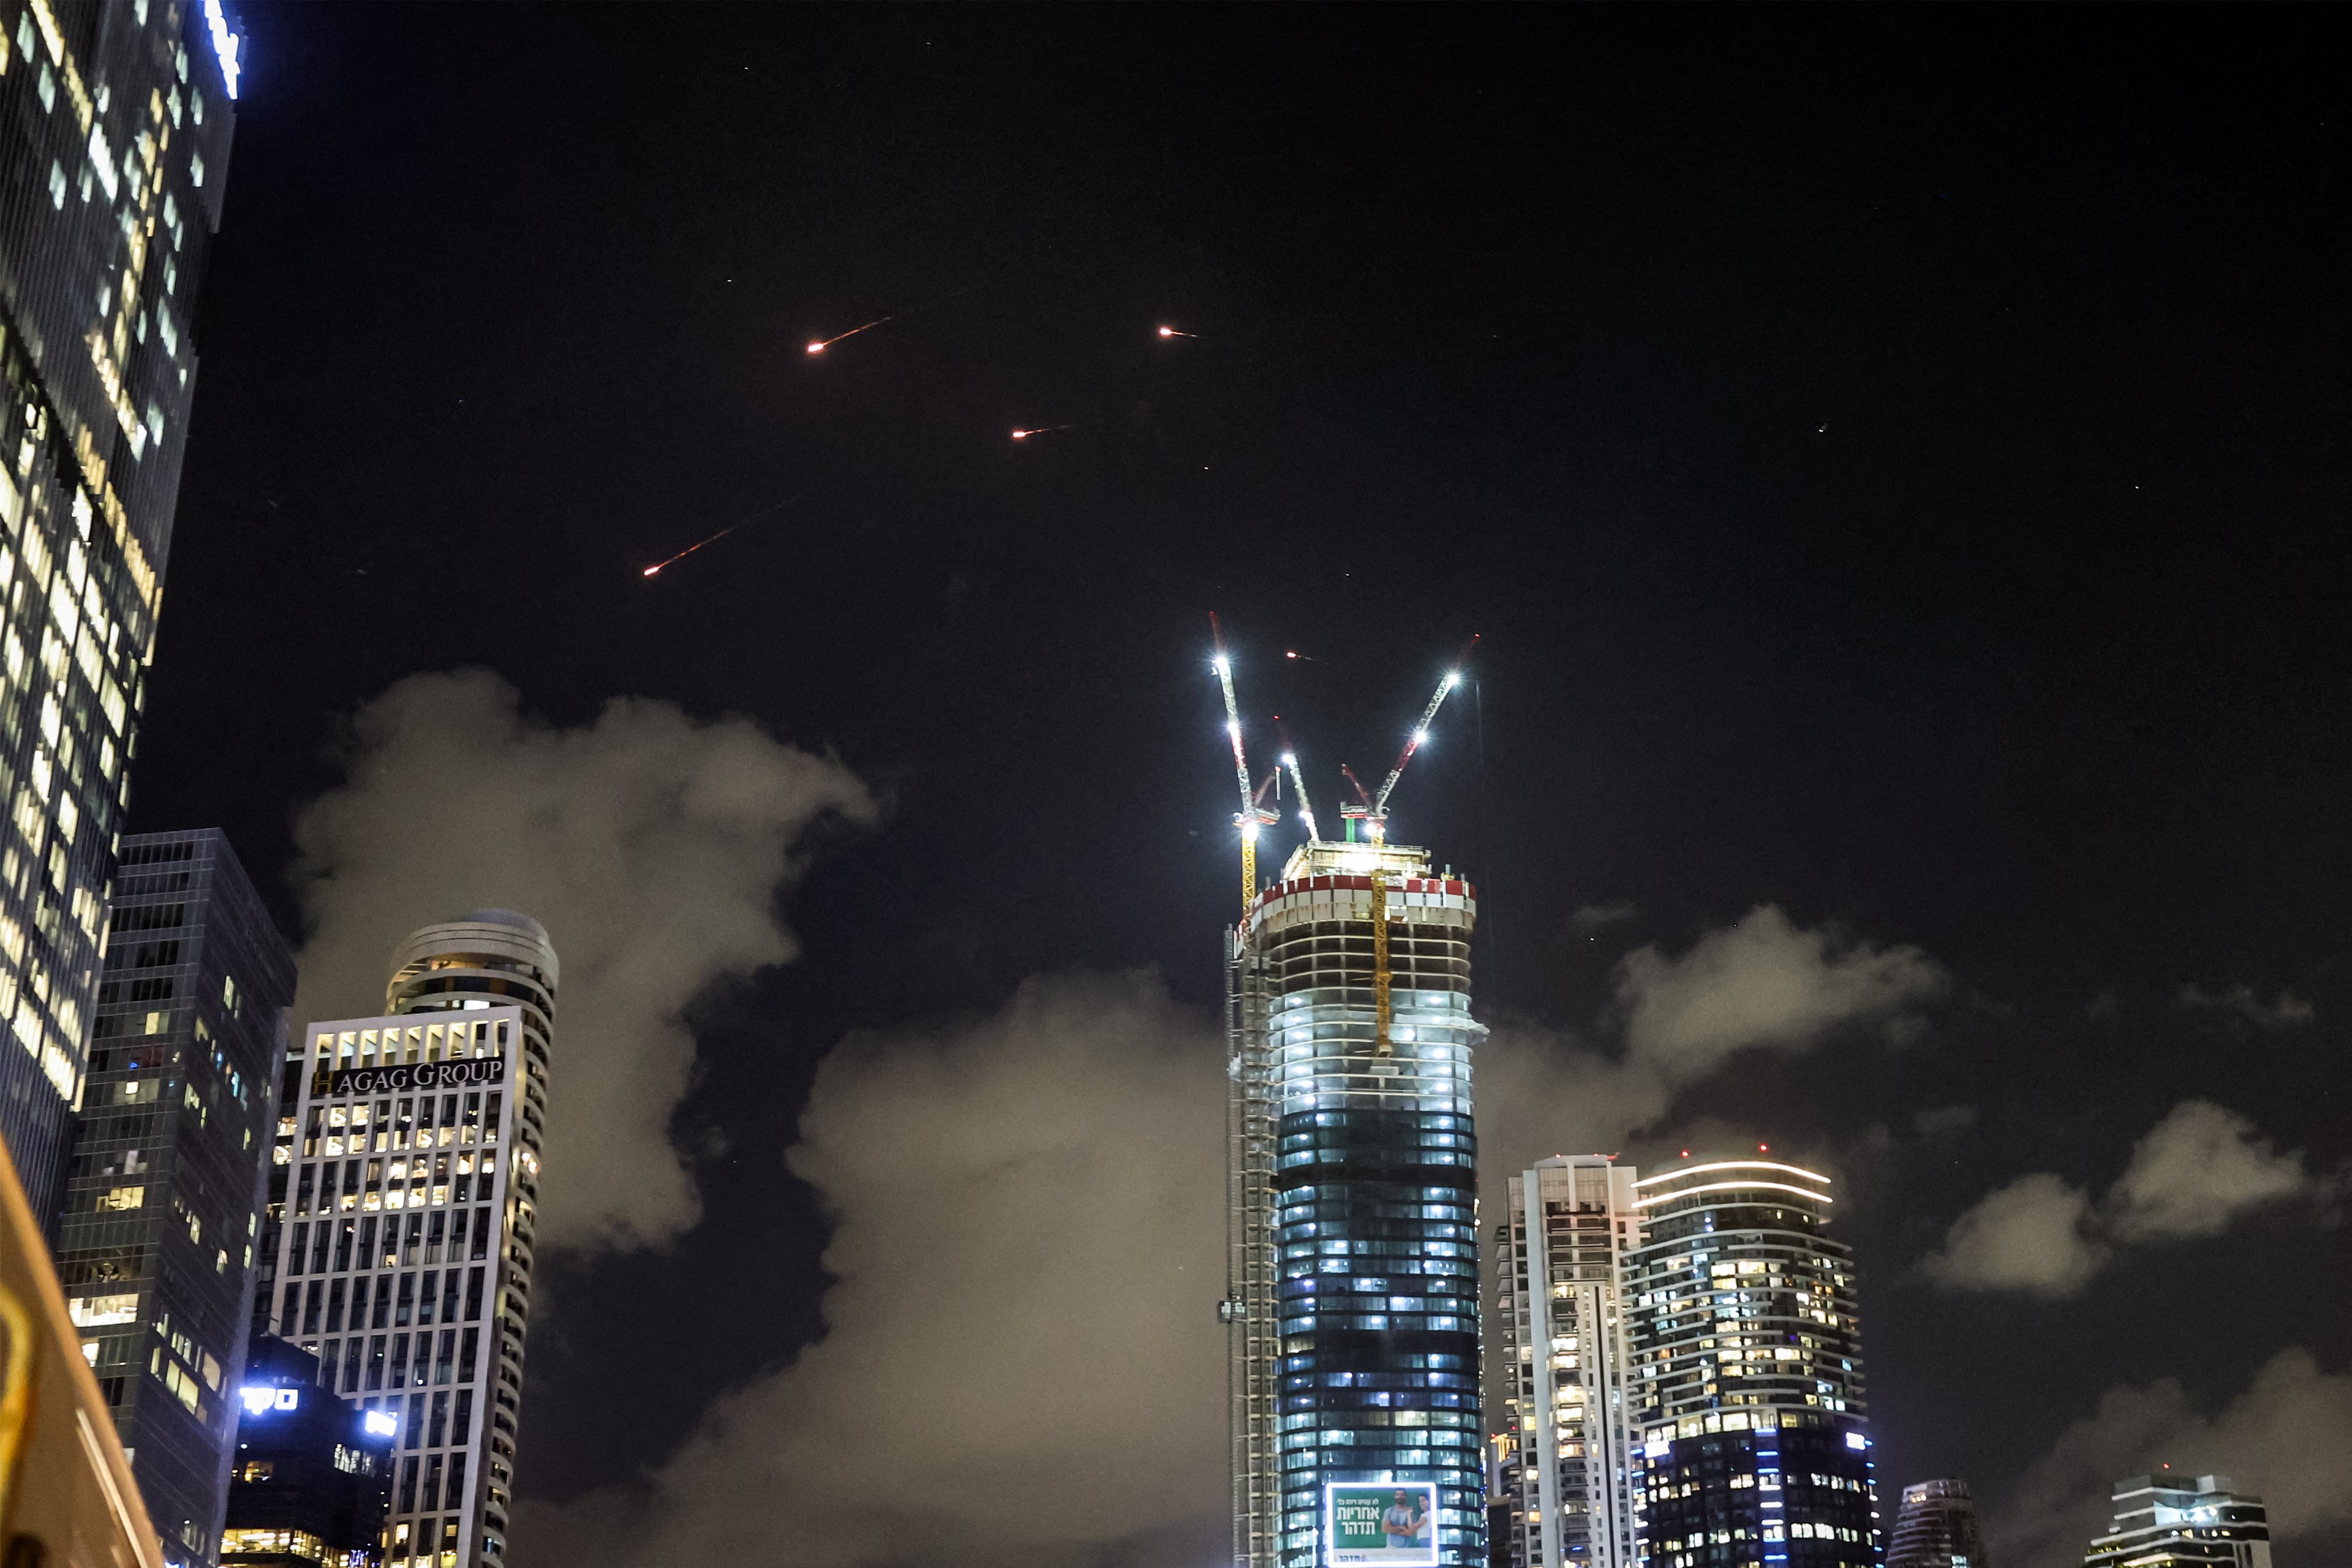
(163, 1194)
(313, 1472)
(115, 119)
(405, 1190)
(1747, 1343)
(1935, 1528)
(1353, 1297)
(2161, 1525)
(1566, 1461)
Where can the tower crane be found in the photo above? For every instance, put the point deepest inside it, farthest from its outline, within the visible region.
(1252, 815)
(1297, 780)
(1372, 810)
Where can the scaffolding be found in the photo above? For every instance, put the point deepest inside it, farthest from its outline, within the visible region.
(1253, 1368)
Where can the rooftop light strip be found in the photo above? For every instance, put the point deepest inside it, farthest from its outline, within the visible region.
(1733, 1165)
(1733, 1186)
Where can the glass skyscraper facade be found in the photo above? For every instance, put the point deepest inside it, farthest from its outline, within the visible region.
(1566, 1466)
(115, 120)
(157, 1242)
(1936, 1528)
(404, 1190)
(1747, 1347)
(1354, 1304)
(2161, 1523)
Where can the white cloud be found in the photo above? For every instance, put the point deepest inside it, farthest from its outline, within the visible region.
(2193, 1174)
(2284, 1011)
(2032, 1235)
(1594, 917)
(1762, 982)
(1028, 1249)
(2198, 1169)
(2288, 1439)
(651, 846)
(1028, 1254)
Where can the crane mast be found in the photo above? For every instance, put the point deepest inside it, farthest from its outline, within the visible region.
(1252, 815)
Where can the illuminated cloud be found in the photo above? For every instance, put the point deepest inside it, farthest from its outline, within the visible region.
(2288, 1439)
(1762, 982)
(2032, 1235)
(651, 846)
(2193, 1174)
(1027, 1252)
(1028, 1249)
(2284, 1011)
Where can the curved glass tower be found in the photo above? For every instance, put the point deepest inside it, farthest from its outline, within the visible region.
(1354, 1301)
(1748, 1383)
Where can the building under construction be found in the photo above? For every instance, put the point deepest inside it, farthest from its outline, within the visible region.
(1353, 1295)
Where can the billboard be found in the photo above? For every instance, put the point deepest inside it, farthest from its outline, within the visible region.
(1385, 1524)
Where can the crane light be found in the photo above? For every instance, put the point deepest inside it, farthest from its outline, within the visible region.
(1452, 679)
(1420, 737)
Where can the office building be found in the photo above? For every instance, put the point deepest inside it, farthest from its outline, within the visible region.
(405, 1185)
(2163, 1523)
(163, 1194)
(115, 119)
(1354, 1293)
(313, 1472)
(1566, 1462)
(1935, 1528)
(1747, 1350)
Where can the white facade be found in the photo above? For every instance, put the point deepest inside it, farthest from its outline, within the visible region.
(406, 1251)
(1566, 1461)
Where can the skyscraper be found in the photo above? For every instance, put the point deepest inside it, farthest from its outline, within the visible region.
(1354, 1289)
(156, 1245)
(1755, 1445)
(115, 118)
(1936, 1528)
(1566, 1459)
(313, 1472)
(2159, 1525)
(409, 1185)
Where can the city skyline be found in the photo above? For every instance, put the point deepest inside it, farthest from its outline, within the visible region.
(747, 488)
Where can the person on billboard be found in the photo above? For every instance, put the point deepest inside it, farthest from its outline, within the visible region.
(1403, 1523)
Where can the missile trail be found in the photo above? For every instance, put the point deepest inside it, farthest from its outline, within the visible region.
(690, 549)
(819, 347)
(821, 344)
(1042, 430)
(655, 569)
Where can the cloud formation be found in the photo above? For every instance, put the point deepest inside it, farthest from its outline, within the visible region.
(651, 846)
(2288, 1437)
(2284, 1011)
(1761, 981)
(2193, 1174)
(1028, 1251)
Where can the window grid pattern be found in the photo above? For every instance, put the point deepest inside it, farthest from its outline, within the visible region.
(1371, 1228)
(406, 1185)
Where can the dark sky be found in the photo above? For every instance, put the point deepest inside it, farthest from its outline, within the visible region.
(1896, 459)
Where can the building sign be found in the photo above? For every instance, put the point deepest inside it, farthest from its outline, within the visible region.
(463, 1074)
(1391, 1524)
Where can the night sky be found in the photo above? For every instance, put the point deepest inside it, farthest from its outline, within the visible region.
(1895, 459)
